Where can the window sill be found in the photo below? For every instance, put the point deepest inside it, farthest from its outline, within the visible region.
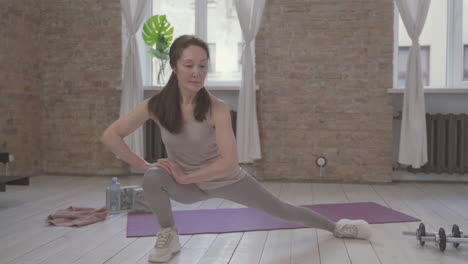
(210, 86)
(432, 90)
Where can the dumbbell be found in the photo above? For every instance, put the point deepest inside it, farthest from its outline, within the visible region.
(440, 238)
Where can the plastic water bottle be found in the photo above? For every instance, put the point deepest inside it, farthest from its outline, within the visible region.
(113, 197)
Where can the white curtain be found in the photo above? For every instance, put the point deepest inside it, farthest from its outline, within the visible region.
(249, 13)
(413, 138)
(133, 14)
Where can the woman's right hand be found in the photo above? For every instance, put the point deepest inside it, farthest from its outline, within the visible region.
(159, 165)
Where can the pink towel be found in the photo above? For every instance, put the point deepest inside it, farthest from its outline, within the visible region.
(77, 216)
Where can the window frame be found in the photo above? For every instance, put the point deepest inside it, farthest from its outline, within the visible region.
(424, 48)
(454, 68)
(201, 31)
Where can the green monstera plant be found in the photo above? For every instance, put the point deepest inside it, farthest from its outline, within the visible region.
(157, 33)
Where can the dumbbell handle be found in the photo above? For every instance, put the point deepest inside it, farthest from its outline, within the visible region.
(410, 233)
(430, 238)
(457, 240)
(448, 239)
(435, 238)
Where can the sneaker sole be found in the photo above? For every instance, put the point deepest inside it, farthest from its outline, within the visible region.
(166, 258)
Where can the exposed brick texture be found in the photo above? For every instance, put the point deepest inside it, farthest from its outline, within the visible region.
(80, 72)
(20, 89)
(323, 68)
(60, 63)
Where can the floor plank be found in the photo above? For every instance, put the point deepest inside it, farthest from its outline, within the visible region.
(304, 242)
(194, 249)
(361, 251)
(403, 197)
(222, 249)
(250, 248)
(331, 250)
(25, 238)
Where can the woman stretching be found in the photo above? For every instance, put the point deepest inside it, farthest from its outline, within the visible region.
(202, 159)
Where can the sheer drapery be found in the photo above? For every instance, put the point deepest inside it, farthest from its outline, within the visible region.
(133, 14)
(413, 137)
(249, 13)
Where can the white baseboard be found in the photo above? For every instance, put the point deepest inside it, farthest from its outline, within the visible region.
(248, 167)
(135, 171)
(432, 177)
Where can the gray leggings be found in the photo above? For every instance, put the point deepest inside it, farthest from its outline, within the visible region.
(159, 187)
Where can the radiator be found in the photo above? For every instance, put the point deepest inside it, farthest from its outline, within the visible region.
(447, 143)
(154, 147)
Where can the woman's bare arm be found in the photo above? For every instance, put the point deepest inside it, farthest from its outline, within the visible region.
(113, 136)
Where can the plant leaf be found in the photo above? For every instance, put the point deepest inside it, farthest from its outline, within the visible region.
(158, 54)
(158, 31)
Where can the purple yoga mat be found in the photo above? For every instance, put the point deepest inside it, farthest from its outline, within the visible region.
(247, 219)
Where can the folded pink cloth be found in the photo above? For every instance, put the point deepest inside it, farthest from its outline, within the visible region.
(77, 216)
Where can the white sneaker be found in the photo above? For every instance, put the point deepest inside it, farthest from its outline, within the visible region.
(167, 245)
(346, 228)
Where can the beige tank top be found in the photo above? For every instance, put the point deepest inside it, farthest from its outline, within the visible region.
(195, 148)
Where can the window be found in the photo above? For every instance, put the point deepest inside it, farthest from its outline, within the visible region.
(216, 22)
(240, 45)
(212, 62)
(403, 61)
(443, 43)
(465, 40)
(465, 63)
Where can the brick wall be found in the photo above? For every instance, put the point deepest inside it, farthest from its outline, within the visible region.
(60, 65)
(20, 89)
(80, 72)
(323, 68)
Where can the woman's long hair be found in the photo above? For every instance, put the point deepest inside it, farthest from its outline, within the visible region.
(165, 105)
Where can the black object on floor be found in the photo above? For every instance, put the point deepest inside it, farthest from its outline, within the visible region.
(4, 157)
(12, 180)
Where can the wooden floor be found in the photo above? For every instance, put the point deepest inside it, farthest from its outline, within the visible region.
(24, 237)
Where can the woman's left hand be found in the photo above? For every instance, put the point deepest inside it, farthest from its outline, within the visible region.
(174, 169)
